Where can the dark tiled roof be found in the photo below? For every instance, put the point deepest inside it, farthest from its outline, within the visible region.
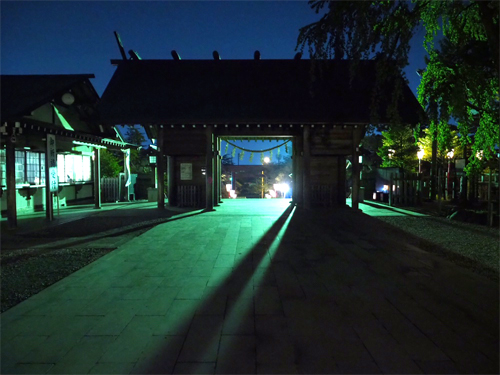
(245, 91)
(21, 94)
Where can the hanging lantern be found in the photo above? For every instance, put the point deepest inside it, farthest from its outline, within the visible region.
(278, 153)
(251, 157)
(271, 155)
(286, 147)
(261, 158)
(233, 154)
(227, 147)
(241, 154)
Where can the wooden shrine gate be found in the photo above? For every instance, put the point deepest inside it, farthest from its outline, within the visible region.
(190, 106)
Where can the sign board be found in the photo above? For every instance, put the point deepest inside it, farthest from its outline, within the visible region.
(52, 157)
(186, 171)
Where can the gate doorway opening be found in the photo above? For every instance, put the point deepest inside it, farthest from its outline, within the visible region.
(256, 168)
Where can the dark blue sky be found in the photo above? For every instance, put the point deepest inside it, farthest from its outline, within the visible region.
(68, 37)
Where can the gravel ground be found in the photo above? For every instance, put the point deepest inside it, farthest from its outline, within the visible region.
(27, 272)
(470, 245)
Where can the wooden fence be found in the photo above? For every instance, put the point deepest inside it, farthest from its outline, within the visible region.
(110, 189)
(406, 189)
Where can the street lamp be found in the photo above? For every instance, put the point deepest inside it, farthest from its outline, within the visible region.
(449, 155)
(420, 155)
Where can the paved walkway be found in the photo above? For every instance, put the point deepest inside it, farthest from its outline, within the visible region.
(259, 286)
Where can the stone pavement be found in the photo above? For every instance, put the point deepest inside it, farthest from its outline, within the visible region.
(259, 286)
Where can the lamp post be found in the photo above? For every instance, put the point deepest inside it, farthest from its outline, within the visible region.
(449, 156)
(420, 155)
(266, 161)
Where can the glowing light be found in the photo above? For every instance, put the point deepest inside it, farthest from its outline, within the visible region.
(420, 154)
(267, 160)
(451, 153)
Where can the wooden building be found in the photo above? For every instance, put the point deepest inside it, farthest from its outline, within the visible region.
(50, 141)
(190, 106)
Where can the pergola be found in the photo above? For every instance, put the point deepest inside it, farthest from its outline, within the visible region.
(190, 106)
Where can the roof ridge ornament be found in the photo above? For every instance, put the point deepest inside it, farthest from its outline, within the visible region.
(134, 55)
(175, 55)
(120, 45)
(256, 55)
(216, 55)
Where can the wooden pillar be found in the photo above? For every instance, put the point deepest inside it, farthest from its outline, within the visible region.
(97, 178)
(298, 193)
(49, 203)
(295, 168)
(172, 182)
(216, 172)
(160, 168)
(306, 169)
(209, 178)
(355, 171)
(341, 183)
(10, 154)
(219, 178)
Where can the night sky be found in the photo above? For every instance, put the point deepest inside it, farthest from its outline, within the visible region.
(70, 37)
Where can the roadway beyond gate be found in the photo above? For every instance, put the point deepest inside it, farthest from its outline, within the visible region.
(260, 286)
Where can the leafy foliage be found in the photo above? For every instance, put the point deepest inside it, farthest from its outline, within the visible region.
(110, 163)
(399, 148)
(425, 144)
(461, 79)
(139, 161)
(460, 82)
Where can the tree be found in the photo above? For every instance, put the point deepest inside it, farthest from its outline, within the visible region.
(371, 143)
(425, 144)
(453, 85)
(110, 164)
(134, 136)
(227, 159)
(399, 148)
(460, 82)
(139, 161)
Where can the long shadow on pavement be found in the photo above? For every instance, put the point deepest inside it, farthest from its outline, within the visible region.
(238, 284)
(349, 300)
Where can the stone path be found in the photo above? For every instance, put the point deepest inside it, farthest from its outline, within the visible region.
(260, 287)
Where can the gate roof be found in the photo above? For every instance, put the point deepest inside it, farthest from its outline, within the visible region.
(247, 91)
